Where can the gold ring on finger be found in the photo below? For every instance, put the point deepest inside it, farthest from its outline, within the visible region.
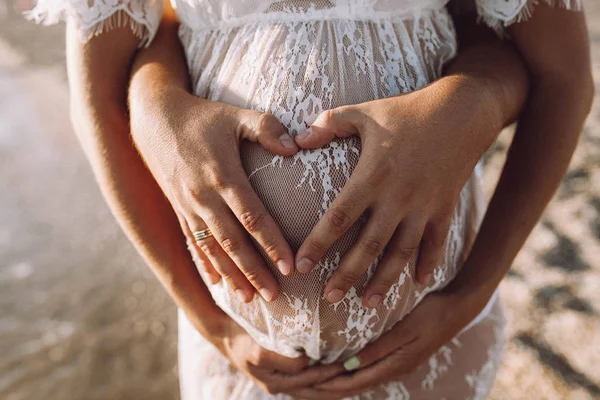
(203, 234)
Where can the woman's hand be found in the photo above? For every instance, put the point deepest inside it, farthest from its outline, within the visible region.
(272, 372)
(399, 351)
(191, 146)
(418, 150)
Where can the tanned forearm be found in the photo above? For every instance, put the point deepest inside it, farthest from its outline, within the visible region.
(548, 132)
(489, 77)
(160, 67)
(99, 72)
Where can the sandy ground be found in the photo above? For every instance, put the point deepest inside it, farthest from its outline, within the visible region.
(81, 317)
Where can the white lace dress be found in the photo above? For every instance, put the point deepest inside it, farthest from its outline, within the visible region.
(294, 59)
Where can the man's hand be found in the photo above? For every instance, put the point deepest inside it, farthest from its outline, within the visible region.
(398, 352)
(272, 372)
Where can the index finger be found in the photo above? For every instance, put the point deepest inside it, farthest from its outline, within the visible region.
(254, 217)
(343, 213)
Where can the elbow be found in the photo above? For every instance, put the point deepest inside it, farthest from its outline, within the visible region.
(584, 91)
(590, 92)
(574, 87)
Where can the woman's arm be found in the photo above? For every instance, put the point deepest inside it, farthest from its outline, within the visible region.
(555, 45)
(418, 151)
(98, 73)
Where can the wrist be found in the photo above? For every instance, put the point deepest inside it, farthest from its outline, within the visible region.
(463, 110)
(212, 323)
(470, 299)
(474, 284)
(144, 96)
(480, 96)
(496, 71)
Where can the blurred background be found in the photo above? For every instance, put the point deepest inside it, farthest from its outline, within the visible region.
(81, 317)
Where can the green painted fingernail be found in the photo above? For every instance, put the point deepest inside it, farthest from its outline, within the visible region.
(427, 279)
(312, 361)
(352, 363)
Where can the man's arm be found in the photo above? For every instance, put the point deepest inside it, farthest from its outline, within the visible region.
(555, 45)
(98, 73)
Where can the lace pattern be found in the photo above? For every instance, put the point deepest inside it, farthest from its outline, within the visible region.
(143, 16)
(296, 70)
(499, 14)
(295, 59)
(96, 16)
(464, 368)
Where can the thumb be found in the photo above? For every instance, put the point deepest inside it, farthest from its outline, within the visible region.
(265, 129)
(339, 122)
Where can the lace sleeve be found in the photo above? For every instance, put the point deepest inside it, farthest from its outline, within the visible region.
(499, 14)
(96, 16)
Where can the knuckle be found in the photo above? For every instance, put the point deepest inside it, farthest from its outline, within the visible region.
(338, 219)
(272, 250)
(386, 282)
(229, 278)
(328, 116)
(194, 195)
(349, 277)
(230, 244)
(253, 221)
(209, 247)
(371, 246)
(264, 122)
(315, 250)
(220, 183)
(406, 252)
(252, 274)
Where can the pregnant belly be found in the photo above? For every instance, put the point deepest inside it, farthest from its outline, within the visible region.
(297, 191)
(295, 71)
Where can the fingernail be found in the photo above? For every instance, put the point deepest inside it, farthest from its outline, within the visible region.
(287, 141)
(284, 267)
(266, 294)
(427, 279)
(312, 361)
(352, 363)
(374, 300)
(304, 134)
(241, 294)
(335, 295)
(304, 265)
